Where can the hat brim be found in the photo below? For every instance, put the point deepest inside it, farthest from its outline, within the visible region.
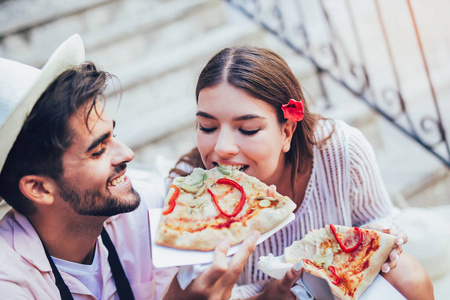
(68, 55)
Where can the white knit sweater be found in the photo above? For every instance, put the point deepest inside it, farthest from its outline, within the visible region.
(345, 188)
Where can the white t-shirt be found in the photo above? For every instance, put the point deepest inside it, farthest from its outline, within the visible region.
(89, 275)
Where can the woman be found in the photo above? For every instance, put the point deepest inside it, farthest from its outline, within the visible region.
(252, 115)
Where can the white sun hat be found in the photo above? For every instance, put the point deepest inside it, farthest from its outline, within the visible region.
(22, 85)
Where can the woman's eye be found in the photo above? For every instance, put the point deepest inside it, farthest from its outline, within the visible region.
(249, 132)
(207, 129)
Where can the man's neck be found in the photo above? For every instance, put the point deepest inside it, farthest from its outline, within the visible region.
(71, 237)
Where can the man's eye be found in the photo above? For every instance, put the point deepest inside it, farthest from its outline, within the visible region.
(98, 153)
(249, 132)
(206, 129)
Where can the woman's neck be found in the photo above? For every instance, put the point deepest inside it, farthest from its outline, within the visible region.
(284, 184)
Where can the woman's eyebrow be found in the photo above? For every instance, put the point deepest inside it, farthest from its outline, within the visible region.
(240, 118)
(248, 117)
(205, 115)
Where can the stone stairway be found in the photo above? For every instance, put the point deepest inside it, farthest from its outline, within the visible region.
(157, 49)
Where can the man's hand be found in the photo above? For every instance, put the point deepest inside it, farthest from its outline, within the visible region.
(218, 281)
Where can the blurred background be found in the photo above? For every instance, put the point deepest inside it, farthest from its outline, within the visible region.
(382, 66)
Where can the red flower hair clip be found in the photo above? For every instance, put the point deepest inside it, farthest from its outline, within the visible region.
(294, 110)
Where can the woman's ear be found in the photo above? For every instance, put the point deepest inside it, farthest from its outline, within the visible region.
(39, 189)
(288, 132)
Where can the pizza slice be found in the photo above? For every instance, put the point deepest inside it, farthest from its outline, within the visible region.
(209, 205)
(349, 258)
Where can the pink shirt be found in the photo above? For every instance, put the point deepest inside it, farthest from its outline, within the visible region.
(25, 272)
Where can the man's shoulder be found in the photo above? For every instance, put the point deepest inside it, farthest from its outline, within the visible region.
(7, 224)
(23, 262)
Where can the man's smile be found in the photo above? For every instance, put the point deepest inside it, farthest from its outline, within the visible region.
(117, 181)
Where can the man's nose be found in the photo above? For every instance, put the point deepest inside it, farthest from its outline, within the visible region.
(121, 153)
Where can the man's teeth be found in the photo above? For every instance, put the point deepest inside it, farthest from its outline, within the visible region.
(231, 167)
(118, 180)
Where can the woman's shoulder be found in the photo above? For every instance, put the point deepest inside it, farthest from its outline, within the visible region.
(338, 139)
(336, 130)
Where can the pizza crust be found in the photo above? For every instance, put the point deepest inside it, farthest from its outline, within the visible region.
(210, 237)
(321, 247)
(387, 242)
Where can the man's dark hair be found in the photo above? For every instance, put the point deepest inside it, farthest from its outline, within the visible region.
(46, 135)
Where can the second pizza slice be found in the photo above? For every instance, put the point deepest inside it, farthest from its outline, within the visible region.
(349, 258)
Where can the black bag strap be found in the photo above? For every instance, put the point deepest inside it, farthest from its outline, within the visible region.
(120, 278)
(60, 284)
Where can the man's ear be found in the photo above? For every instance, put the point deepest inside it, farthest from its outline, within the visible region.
(288, 132)
(40, 189)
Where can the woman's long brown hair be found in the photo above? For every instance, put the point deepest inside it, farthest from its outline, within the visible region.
(264, 75)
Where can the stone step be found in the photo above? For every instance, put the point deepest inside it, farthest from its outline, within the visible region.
(101, 27)
(154, 17)
(164, 28)
(170, 76)
(163, 45)
(21, 16)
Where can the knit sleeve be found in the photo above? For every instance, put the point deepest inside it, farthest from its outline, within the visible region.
(368, 197)
(183, 166)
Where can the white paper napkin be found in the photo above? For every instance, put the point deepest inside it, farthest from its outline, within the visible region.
(276, 267)
(187, 274)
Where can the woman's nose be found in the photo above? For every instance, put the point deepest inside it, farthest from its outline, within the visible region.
(226, 145)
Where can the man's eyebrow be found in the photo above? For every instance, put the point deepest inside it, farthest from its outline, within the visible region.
(98, 141)
(240, 118)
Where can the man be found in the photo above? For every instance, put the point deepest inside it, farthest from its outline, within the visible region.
(78, 229)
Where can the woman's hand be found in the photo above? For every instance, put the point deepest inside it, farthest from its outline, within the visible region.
(281, 289)
(400, 239)
(218, 281)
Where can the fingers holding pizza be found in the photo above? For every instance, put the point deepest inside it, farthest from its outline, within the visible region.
(217, 282)
(400, 239)
(404, 271)
(281, 289)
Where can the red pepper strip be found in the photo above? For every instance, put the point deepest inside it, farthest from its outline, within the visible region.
(333, 271)
(172, 199)
(240, 205)
(343, 247)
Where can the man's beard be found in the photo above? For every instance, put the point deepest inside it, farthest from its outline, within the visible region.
(93, 203)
